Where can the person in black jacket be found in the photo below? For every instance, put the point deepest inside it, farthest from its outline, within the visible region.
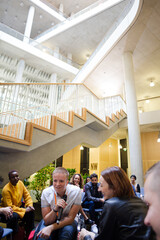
(93, 198)
(123, 213)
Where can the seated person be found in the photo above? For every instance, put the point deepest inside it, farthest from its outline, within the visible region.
(133, 182)
(87, 180)
(52, 202)
(123, 213)
(5, 213)
(77, 180)
(12, 195)
(93, 198)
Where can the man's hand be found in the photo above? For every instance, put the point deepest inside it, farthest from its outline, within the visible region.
(29, 209)
(45, 232)
(60, 203)
(83, 233)
(7, 211)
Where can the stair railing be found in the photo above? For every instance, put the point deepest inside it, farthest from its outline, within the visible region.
(37, 102)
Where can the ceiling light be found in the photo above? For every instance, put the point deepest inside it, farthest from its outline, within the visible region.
(158, 140)
(147, 101)
(21, 4)
(87, 56)
(140, 111)
(151, 84)
(40, 16)
(120, 146)
(81, 148)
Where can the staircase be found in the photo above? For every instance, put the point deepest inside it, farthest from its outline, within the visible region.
(41, 145)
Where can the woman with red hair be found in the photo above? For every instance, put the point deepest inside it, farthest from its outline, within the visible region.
(123, 213)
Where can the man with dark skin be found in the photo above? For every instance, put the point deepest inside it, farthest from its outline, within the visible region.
(12, 195)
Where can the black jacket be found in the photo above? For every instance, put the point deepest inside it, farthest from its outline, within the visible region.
(92, 193)
(123, 219)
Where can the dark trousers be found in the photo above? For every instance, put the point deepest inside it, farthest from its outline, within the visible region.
(11, 222)
(92, 206)
(27, 220)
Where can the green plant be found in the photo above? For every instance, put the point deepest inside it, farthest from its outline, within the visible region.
(84, 176)
(41, 180)
(71, 171)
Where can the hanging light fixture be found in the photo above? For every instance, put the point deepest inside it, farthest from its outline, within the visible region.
(158, 140)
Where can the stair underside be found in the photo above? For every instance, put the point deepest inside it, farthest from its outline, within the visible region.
(44, 146)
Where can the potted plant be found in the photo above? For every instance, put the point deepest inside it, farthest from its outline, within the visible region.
(40, 181)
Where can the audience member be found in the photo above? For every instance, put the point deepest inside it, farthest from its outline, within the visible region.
(93, 198)
(5, 213)
(133, 182)
(77, 180)
(12, 195)
(123, 213)
(87, 180)
(51, 202)
(152, 198)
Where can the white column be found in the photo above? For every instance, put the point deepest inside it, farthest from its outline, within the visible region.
(20, 70)
(52, 99)
(19, 77)
(61, 8)
(29, 23)
(69, 58)
(133, 121)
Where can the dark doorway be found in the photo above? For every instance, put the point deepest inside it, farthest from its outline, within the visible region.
(84, 161)
(58, 162)
(123, 155)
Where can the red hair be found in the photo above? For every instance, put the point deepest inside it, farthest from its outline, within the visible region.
(118, 180)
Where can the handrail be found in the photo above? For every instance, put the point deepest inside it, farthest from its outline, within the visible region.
(21, 37)
(33, 102)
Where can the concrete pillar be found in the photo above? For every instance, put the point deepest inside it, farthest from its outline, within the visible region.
(29, 23)
(52, 99)
(61, 8)
(69, 58)
(20, 70)
(133, 121)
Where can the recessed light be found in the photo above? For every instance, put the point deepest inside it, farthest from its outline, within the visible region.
(152, 84)
(147, 101)
(40, 16)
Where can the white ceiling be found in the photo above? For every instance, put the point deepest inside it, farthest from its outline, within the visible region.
(143, 39)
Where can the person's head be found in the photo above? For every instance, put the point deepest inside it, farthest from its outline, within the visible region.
(94, 178)
(115, 183)
(13, 177)
(77, 180)
(133, 179)
(88, 179)
(152, 198)
(60, 180)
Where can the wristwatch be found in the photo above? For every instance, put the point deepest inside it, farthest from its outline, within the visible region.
(54, 210)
